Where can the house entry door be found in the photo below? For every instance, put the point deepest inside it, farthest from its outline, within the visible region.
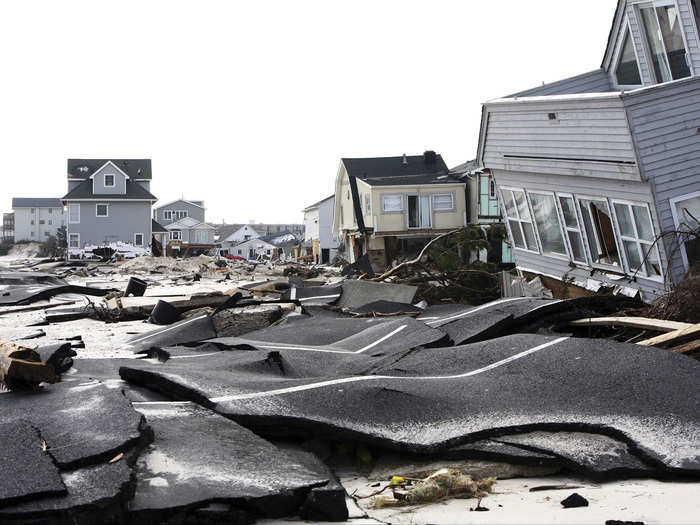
(419, 215)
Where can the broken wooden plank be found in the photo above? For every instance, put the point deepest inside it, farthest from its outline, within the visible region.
(21, 368)
(643, 323)
(687, 348)
(692, 331)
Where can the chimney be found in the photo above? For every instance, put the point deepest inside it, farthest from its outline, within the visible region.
(430, 157)
(405, 160)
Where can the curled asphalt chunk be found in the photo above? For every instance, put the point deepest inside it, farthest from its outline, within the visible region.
(25, 288)
(184, 332)
(199, 457)
(430, 400)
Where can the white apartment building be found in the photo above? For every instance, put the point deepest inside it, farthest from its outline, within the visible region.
(36, 219)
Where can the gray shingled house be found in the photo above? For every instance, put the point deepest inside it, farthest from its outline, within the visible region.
(108, 201)
(598, 173)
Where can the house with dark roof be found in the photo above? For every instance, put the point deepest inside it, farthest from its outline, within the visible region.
(179, 209)
(37, 219)
(384, 206)
(599, 174)
(108, 202)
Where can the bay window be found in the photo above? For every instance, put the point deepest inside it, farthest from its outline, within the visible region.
(597, 222)
(519, 220)
(544, 208)
(637, 235)
(661, 22)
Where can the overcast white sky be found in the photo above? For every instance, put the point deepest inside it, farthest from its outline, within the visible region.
(249, 105)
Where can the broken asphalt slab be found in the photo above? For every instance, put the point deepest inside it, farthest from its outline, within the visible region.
(191, 330)
(229, 464)
(431, 400)
(19, 288)
(314, 295)
(81, 423)
(28, 472)
(359, 293)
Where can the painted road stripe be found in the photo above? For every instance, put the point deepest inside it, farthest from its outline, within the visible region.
(319, 297)
(474, 310)
(194, 355)
(356, 379)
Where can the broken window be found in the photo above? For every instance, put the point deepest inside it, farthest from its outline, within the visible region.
(102, 210)
(600, 233)
(444, 202)
(627, 72)
(74, 240)
(573, 229)
(544, 208)
(664, 35)
(686, 214)
(637, 234)
(392, 203)
(519, 221)
(419, 211)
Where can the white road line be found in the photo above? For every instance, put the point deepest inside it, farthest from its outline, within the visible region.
(194, 355)
(166, 330)
(293, 294)
(140, 403)
(474, 310)
(355, 379)
(323, 350)
(319, 297)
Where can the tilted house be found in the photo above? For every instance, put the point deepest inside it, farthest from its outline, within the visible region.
(109, 202)
(389, 205)
(598, 172)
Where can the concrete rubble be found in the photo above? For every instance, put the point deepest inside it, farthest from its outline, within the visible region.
(280, 391)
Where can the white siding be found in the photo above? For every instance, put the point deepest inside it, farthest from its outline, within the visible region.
(589, 137)
(593, 82)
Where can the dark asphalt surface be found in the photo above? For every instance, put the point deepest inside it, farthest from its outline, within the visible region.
(183, 332)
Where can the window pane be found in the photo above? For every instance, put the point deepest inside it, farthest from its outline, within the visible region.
(442, 202)
(522, 205)
(548, 226)
(567, 206)
(632, 254)
(673, 38)
(392, 203)
(576, 242)
(600, 232)
(530, 236)
(653, 36)
(653, 265)
(627, 70)
(413, 212)
(510, 203)
(624, 219)
(517, 235)
(643, 221)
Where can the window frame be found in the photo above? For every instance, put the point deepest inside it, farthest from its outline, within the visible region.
(654, 245)
(179, 214)
(69, 241)
(167, 215)
(176, 235)
(74, 206)
(97, 207)
(562, 226)
(626, 32)
(587, 257)
(114, 180)
(143, 240)
(587, 246)
(401, 198)
(645, 41)
(407, 212)
(453, 204)
(676, 221)
(507, 219)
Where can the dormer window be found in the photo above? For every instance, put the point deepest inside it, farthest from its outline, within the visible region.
(109, 181)
(627, 71)
(665, 41)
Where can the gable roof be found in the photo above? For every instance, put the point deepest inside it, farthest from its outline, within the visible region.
(134, 191)
(185, 223)
(137, 169)
(317, 204)
(34, 202)
(198, 204)
(428, 168)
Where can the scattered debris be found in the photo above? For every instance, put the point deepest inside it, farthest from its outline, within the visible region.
(574, 501)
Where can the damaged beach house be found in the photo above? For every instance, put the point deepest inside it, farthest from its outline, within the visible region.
(598, 174)
(108, 206)
(388, 206)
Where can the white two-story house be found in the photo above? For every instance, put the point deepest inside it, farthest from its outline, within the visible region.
(599, 174)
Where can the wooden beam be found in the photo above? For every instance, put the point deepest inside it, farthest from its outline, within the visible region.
(643, 323)
(687, 348)
(692, 331)
(21, 368)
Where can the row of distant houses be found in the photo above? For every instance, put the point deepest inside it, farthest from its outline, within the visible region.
(596, 178)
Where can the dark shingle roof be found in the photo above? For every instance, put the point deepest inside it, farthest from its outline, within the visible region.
(156, 227)
(32, 202)
(134, 191)
(399, 171)
(134, 168)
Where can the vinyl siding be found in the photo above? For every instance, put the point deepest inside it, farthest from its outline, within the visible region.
(665, 124)
(521, 137)
(192, 211)
(593, 82)
(691, 35)
(125, 219)
(639, 45)
(581, 186)
(98, 179)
